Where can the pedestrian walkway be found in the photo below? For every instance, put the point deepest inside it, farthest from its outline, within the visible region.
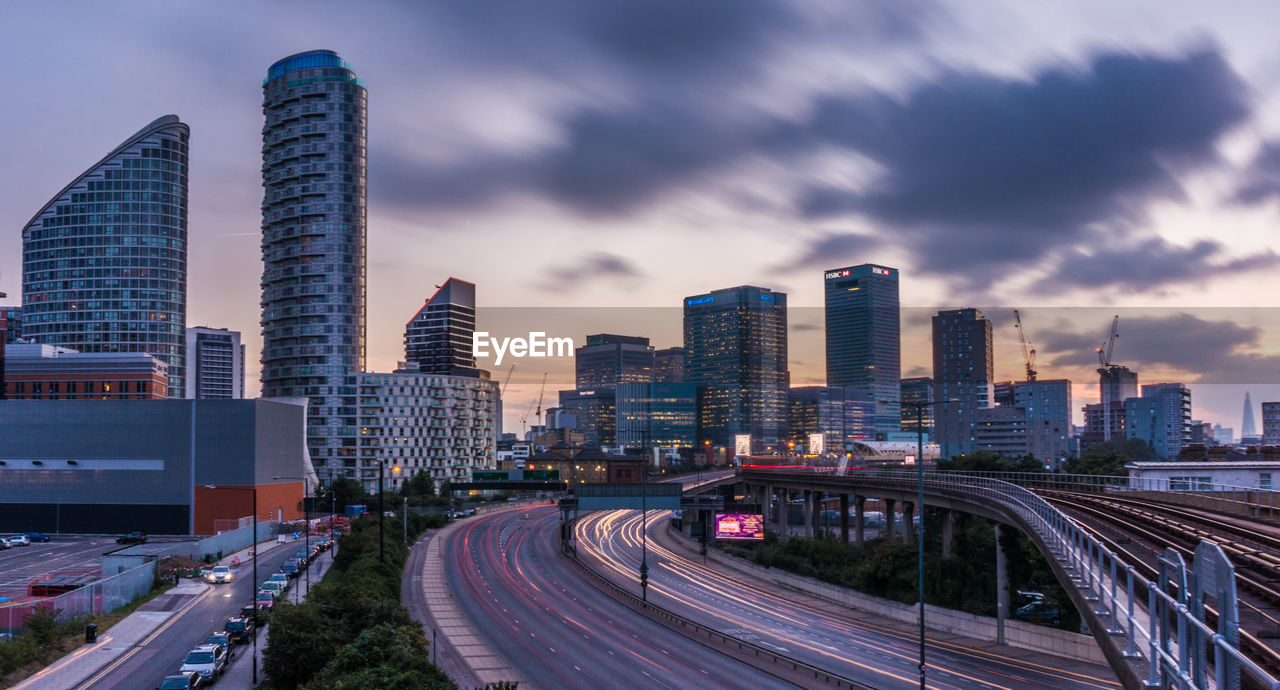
(148, 620)
(240, 672)
(132, 630)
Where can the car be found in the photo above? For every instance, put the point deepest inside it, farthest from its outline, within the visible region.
(524, 517)
(1042, 611)
(290, 568)
(273, 586)
(222, 639)
(181, 681)
(208, 660)
(282, 578)
(132, 538)
(220, 574)
(301, 558)
(241, 629)
(4, 543)
(19, 540)
(37, 537)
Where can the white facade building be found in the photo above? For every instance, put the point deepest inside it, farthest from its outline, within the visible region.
(1202, 476)
(445, 425)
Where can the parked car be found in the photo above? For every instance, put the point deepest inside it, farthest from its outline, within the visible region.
(19, 540)
(222, 639)
(302, 558)
(208, 660)
(273, 586)
(281, 578)
(241, 629)
(1043, 611)
(37, 537)
(220, 574)
(4, 543)
(132, 538)
(290, 568)
(266, 598)
(181, 681)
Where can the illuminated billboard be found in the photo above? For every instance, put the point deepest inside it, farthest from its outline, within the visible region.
(742, 444)
(736, 526)
(817, 444)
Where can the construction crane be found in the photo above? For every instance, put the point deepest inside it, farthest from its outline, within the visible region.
(1104, 374)
(1028, 352)
(510, 371)
(541, 390)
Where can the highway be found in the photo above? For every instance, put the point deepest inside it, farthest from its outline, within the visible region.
(507, 575)
(879, 656)
(161, 653)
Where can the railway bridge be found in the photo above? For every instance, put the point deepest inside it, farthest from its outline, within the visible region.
(1155, 631)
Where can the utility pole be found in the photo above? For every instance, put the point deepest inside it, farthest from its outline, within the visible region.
(382, 547)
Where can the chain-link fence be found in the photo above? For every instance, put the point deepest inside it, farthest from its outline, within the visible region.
(100, 597)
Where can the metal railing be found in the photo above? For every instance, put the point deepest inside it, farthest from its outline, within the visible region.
(1175, 633)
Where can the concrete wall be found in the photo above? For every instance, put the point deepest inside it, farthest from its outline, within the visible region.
(1020, 634)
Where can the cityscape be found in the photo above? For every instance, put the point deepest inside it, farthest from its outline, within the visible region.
(639, 345)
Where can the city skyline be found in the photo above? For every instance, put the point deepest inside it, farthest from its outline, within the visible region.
(1184, 194)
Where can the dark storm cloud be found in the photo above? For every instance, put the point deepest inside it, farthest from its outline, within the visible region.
(1150, 264)
(1210, 347)
(1262, 178)
(983, 173)
(597, 265)
(833, 251)
(677, 68)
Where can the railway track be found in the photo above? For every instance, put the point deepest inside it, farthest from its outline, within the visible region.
(1147, 522)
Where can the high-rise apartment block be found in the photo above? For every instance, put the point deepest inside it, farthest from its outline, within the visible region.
(1271, 423)
(962, 372)
(1161, 417)
(863, 336)
(104, 262)
(215, 363)
(735, 343)
(313, 245)
(438, 338)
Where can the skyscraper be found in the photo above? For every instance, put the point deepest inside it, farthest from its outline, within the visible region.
(1161, 417)
(104, 262)
(215, 363)
(668, 365)
(918, 390)
(962, 368)
(735, 343)
(608, 361)
(863, 343)
(438, 338)
(313, 243)
(1047, 405)
(1247, 426)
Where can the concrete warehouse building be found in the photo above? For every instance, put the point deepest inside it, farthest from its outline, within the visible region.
(160, 466)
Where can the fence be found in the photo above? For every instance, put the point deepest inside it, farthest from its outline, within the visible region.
(1170, 635)
(103, 596)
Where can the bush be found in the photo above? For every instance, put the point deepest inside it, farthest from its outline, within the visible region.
(384, 656)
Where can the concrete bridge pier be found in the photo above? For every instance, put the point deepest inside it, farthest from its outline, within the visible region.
(808, 513)
(781, 525)
(844, 518)
(908, 523)
(859, 521)
(889, 515)
(1002, 589)
(948, 532)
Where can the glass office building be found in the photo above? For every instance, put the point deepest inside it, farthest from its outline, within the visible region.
(104, 262)
(438, 338)
(735, 344)
(313, 245)
(863, 345)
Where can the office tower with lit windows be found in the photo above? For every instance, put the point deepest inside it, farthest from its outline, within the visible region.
(608, 361)
(313, 246)
(863, 343)
(735, 343)
(962, 372)
(104, 262)
(668, 365)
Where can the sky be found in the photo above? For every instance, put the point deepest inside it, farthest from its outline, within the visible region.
(595, 159)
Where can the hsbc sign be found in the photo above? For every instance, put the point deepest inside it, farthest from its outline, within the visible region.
(845, 273)
(837, 274)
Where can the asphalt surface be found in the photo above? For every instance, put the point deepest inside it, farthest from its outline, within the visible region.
(508, 576)
(22, 564)
(877, 655)
(161, 653)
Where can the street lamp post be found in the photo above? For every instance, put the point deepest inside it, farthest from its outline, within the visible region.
(254, 588)
(919, 408)
(382, 548)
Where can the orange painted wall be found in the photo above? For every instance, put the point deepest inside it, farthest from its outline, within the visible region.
(233, 502)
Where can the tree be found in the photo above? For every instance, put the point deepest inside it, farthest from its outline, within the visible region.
(384, 656)
(419, 485)
(1110, 457)
(986, 461)
(346, 492)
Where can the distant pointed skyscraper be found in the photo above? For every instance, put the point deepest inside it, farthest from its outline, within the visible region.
(1247, 428)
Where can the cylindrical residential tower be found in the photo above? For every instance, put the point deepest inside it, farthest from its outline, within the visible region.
(104, 263)
(313, 245)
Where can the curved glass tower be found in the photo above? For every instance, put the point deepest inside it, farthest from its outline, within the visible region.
(104, 263)
(313, 244)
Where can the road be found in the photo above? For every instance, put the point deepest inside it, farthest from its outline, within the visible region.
(879, 656)
(508, 576)
(161, 653)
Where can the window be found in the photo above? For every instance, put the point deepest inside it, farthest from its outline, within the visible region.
(1264, 481)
